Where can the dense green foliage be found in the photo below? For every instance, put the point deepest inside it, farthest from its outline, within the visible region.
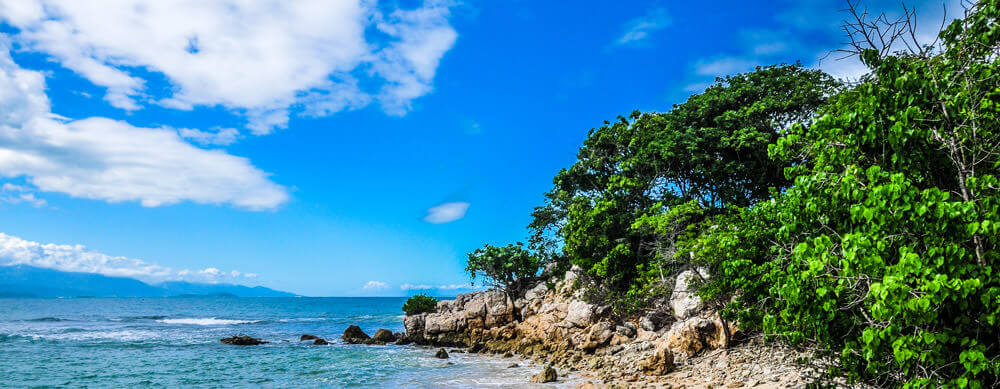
(712, 150)
(509, 267)
(885, 249)
(862, 222)
(420, 304)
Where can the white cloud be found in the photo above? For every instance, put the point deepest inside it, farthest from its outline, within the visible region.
(103, 159)
(375, 285)
(211, 271)
(16, 194)
(250, 275)
(721, 67)
(446, 213)
(219, 137)
(640, 28)
(454, 286)
(260, 58)
(78, 258)
(415, 287)
(447, 287)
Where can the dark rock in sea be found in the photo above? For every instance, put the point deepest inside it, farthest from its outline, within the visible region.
(308, 337)
(508, 354)
(320, 342)
(354, 335)
(456, 350)
(547, 375)
(242, 341)
(441, 354)
(402, 339)
(513, 365)
(383, 336)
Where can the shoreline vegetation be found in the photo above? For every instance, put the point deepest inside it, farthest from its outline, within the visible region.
(780, 229)
(835, 233)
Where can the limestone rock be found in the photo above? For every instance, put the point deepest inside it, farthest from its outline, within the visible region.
(627, 330)
(441, 322)
(598, 335)
(688, 338)
(547, 375)
(684, 301)
(580, 314)
(414, 325)
(537, 292)
(354, 335)
(660, 363)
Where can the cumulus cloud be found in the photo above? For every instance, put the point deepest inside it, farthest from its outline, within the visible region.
(78, 258)
(17, 194)
(446, 213)
(259, 58)
(447, 287)
(375, 285)
(218, 137)
(104, 159)
(211, 271)
(640, 28)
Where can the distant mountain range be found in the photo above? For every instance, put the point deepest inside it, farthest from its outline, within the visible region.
(29, 281)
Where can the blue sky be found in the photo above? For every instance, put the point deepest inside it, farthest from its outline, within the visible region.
(341, 148)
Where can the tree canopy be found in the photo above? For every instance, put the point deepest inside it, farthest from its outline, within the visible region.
(711, 149)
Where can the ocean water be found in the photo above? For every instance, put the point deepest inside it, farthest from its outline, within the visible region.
(174, 342)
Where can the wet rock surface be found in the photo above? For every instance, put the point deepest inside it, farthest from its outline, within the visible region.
(354, 335)
(242, 340)
(547, 375)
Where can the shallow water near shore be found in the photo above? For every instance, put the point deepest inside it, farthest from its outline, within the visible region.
(172, 342)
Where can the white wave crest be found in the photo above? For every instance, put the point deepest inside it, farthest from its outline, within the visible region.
(211, 321)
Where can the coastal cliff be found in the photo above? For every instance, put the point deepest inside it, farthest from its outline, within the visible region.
(681, 345)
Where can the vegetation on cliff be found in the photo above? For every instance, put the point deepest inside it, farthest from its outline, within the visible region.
(857, 220)
(420, 303)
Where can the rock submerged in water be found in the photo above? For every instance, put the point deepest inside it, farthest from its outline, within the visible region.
(320, 342)
(307, 337)
(547, 375)
(242, 341)
(441, 354)
(354, 335)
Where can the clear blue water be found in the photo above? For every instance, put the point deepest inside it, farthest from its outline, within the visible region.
(174, 342)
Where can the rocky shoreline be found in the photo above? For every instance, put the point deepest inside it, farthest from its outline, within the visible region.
(682, 346)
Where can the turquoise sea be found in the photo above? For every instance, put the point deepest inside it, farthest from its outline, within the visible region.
(174, 342)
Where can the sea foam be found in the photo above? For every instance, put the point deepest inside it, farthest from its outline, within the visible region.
(211, 321)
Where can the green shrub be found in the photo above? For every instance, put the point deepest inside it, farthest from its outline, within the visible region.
(420, 304)
(886, 250)
(711, 150)
(509, 267)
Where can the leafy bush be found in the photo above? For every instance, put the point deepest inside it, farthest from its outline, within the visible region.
(509, 267)
(420, 304)
(886, 250)
(712, 150)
